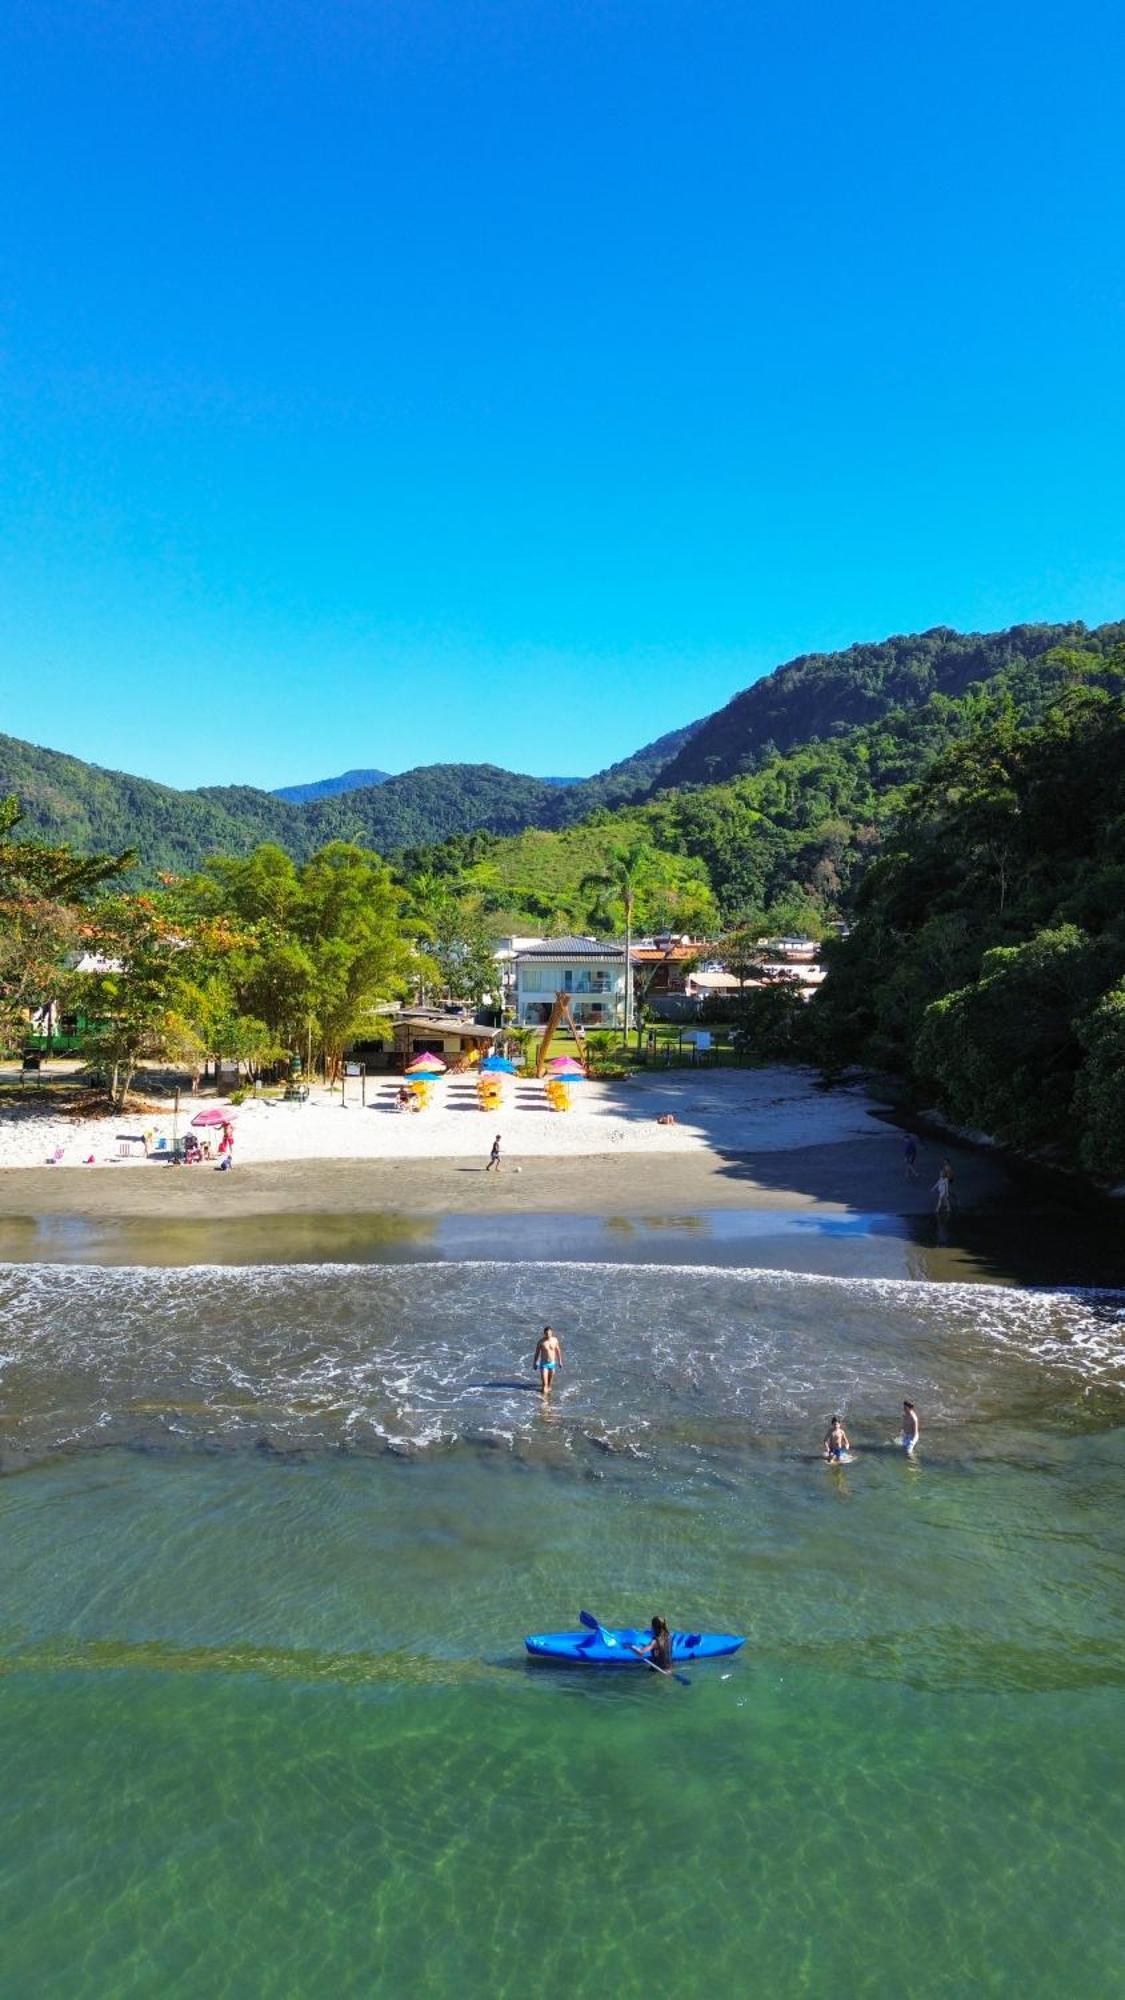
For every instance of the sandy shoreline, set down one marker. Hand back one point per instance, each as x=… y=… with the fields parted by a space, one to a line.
x=833 y=1179
x=765 y=1139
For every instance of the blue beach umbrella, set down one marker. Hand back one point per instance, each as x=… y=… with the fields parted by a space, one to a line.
x=500 y=1064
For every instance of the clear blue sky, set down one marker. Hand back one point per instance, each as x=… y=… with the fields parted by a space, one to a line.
x=395 y=380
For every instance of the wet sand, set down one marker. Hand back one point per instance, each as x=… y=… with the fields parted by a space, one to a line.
x=844 y=1210
x=860 y=1176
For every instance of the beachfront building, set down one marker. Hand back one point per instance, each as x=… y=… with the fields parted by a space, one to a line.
x=662 y=965
x=590 y=971
x=404 y=1032
x=506 y=953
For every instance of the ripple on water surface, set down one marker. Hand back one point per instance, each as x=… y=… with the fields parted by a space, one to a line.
x=417 y=1356
x=265 y=1721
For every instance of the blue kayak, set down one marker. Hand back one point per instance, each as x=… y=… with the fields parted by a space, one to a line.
x=588 y=1649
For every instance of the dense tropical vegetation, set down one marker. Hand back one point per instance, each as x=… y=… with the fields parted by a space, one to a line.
x=987 y=959
x=975 y=840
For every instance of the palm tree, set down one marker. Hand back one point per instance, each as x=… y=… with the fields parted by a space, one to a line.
x=623 y=875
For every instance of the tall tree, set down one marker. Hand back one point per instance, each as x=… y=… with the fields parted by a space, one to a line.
x=620 y=881
x=43 y=891
x=349 y=922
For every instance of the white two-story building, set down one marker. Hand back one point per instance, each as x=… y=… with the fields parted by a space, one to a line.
x=591 y=974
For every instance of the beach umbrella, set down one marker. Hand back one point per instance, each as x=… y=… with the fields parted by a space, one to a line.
x=213 y=1118
x=499 y=1065
x=565 y=1066
x=426 y=1066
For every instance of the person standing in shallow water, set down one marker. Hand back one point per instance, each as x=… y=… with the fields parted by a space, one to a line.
x=494 y=1157
x=548 y=1357
x=911 y=1428
x=836 y=1443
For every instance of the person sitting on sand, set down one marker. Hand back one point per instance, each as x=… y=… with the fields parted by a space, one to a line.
x=659 y=1648
x=836 y=1443
x=911 y=1428
x=548 y=1357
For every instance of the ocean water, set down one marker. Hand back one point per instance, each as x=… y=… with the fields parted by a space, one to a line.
x=270 y=1539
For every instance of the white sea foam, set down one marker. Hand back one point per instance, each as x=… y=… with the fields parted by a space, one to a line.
x=417 y=1356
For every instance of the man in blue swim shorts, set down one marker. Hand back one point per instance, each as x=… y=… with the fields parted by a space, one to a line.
x=548 y=1357
x=836 y=1442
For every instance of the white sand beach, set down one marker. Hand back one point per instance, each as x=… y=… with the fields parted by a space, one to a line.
x=726 y=1110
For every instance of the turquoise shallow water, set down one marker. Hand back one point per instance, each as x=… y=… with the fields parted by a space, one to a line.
x=269 y=1542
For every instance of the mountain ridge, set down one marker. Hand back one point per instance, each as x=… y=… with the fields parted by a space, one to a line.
x=814 y=698
x=327 y=788
x=95 y=809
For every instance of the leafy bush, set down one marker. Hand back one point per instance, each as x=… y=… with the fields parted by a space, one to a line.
x=1004 y=1052
x=1099 y=1098
x=772 y=1024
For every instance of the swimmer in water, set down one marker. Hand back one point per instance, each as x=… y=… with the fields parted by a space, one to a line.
x=548 y=1357
x=836 y=1443
x=911 y=1428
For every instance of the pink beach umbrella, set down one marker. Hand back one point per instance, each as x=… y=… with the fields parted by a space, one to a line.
x=213 y=1118
x=426 y=1066
x=565 y=1066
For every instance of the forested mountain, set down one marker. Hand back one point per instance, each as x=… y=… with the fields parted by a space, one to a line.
x=811 y=755
x=96 y=811
x=819 y=696
x=328 y=788
x=787 y=844
x=99 y=811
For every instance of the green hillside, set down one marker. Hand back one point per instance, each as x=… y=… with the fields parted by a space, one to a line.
x=814 y=754
x=824 y=695
x=98 y=811
x=95 y=810
x=793 y=838
x=987 y=959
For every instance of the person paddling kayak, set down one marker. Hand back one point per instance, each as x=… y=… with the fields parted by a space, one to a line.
x=659 y=1648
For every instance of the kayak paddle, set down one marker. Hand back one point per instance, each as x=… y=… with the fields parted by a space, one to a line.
x=608 y=1639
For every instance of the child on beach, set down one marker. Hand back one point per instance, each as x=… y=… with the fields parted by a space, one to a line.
x=943 y=1188
x=494 y=1157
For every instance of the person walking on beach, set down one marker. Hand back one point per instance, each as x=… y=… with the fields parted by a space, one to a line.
x=910 y=1157
x=226 y=1147
x=911 y=1428
x=548 y=1357
x=943 y=1188
x=494 y=1156
x=836 y=1443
